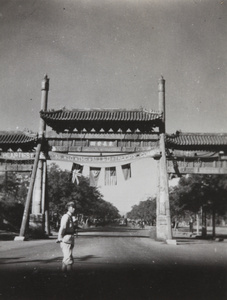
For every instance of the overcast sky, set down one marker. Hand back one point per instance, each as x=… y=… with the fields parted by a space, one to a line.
x=110 y=54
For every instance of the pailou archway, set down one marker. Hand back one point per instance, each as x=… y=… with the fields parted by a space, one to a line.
x=107 y=137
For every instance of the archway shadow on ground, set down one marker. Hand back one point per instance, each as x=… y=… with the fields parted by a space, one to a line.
x=85 y=258
x=128 y=282
x=19 y=260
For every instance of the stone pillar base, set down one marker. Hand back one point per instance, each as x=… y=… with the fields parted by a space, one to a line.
x=36 y=225
x=19 y=238
x=162 y=228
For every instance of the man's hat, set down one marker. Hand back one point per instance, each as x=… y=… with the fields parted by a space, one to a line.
x=70 y=204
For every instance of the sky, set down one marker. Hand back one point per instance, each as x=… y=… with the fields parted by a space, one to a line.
x=110 y=54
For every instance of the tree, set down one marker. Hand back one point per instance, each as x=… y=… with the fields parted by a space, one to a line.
x=145 y=210
x=9 y=187
x=12 y=199
x=196 y=191
x=88 y=199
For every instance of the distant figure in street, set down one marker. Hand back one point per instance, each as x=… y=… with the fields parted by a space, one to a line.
x=66 y=237
x=55 y=221
x=191 y=224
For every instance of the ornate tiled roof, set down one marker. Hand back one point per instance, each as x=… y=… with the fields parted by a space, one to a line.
x=16 y=137
x=17 y=140
x=195 y=140
x=62 y=119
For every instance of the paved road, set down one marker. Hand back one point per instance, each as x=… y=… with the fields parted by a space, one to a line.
x=120 y=264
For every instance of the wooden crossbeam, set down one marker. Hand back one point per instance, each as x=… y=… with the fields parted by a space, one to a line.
x=16 y=168
x=197 y=166
x=98 y=149
x=188 y=170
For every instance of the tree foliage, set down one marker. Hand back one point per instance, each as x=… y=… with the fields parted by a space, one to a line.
x=13 y=195
x=196 y=191
x=88 y=199
x=145 y=210
x=9 y=187
x=60 y=190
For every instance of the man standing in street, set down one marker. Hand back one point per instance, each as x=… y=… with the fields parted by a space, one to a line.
x=66 y=237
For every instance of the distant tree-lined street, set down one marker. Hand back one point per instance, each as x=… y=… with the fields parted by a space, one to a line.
x=60 y=190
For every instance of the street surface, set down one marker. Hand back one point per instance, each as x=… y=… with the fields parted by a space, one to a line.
x=114 y=264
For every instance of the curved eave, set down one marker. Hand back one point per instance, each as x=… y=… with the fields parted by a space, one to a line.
x=196 y=141
x=17 y=139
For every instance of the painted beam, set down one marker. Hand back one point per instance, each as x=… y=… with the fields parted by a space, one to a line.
x=94 y=149
x=16 y=168
x=197 y=170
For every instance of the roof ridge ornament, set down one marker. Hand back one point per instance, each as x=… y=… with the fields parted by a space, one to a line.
x=45 y=83
x=65 y=109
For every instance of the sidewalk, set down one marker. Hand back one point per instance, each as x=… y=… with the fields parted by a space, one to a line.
x=7 y=241
x=6 y=235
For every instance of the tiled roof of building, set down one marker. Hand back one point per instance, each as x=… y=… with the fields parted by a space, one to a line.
x=100 y=115
x=101 y=119
x=16 y=137
x=195 y=140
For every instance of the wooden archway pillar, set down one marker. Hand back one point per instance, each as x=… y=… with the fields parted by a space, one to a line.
x=38 y=216
x=163 y=219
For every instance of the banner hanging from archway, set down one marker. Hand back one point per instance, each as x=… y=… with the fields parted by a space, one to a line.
x=103 y=160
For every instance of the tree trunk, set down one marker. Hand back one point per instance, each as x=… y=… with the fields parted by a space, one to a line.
x=213 y=222
x=204 y=222
x=197 y=223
